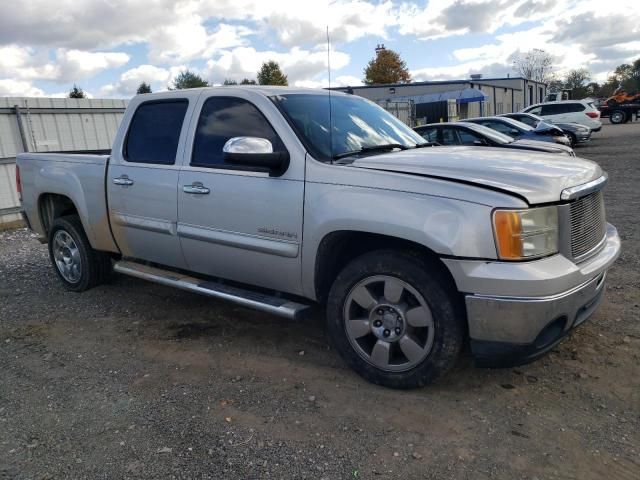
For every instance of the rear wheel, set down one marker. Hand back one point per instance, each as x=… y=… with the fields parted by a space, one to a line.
x=617 y=117
x=394 y=318
x=77 y=264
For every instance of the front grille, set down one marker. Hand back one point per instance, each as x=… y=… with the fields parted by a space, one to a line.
x=588 y=226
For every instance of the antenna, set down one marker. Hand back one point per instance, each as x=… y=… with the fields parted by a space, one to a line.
x=329 y=74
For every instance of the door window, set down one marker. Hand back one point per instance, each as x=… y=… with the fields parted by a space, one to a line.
x=468 y=138
x=450 y=137
x=532 y=122
x=155 y=131
x=501 y=127
x=223 y=118
x=429 y=134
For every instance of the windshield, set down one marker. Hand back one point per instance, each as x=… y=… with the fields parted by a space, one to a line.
x=357 y=124
x=490 y=133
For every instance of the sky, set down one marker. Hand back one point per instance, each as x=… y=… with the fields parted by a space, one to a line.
x=107 y=47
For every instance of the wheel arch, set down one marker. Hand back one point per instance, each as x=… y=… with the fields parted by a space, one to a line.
x=52 y=206
x=337 y=248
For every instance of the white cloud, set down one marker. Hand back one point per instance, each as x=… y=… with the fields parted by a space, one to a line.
x=128 y=83
x=18 y=88
x=26 y=63
x=77 y=65
x=298 y=64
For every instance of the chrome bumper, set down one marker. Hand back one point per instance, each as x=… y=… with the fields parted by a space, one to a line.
x=522 y=320
x=516 y=303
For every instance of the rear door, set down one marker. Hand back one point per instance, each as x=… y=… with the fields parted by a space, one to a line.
x=241 y=224
x=556 y=112
x=142 y=181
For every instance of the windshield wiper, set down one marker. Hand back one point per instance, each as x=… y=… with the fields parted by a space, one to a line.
x=371 y=148
x=427 y=144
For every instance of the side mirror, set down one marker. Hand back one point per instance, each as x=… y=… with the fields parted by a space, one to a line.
x=256 y=153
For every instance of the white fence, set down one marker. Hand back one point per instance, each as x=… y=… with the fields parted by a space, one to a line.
x=50 y=125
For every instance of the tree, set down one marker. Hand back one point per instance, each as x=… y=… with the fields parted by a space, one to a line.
x=386 y=67
x=270 y=74
x=575 y=81
x=247 y=81
x=144 y=87
x=77 y=92
x=534 y=65
x=188 y=79
x=628 y=76
x=228 y=81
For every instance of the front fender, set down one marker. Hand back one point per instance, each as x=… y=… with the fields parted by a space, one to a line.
x=447 y=226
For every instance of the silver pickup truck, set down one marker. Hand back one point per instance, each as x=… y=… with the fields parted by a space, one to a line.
x=281 y=198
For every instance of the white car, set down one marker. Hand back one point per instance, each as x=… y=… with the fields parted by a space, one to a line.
x=583 y=112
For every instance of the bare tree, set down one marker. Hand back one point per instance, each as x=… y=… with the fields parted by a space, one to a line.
x=534 y=65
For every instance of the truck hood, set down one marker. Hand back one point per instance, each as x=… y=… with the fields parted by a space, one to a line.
x=537 y=177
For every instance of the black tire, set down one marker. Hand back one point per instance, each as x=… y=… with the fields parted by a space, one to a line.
x=95 y=266
x=617 y=117
x=429 y=279
x=572 y=139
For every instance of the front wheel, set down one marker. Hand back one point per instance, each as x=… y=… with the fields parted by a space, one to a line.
x=77 y=264
x=394 y=318
x=573 y=140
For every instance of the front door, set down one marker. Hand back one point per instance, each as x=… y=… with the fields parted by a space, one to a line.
x=142 y=182
x=237 y=223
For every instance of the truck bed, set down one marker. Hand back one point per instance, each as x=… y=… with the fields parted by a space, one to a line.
x=78 y=176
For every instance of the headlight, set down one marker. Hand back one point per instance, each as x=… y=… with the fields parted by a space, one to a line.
x=525 y=234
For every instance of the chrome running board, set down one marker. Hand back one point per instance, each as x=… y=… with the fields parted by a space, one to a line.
x=245 y=298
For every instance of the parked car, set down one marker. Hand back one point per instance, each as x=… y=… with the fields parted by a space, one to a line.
x=523 y=131
x=575 y=132
x=466 y=133
x=583 y=112
x=275 y=199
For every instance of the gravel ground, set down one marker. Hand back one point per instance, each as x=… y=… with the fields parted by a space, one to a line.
x=134 y=380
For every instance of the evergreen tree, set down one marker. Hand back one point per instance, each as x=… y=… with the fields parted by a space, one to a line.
x=77 y=92
x=188 y=79
x=270 y=74
x=144 y=87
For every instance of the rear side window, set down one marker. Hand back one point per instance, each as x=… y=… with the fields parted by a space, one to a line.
x=575 y=107
x=223 y=118
x=534 y=111
x=155 y=131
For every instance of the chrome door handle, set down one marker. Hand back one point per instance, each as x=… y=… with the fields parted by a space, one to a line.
x=196 y=188
x=123 y=180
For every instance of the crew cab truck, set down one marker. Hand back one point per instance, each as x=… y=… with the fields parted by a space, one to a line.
x=280 y=198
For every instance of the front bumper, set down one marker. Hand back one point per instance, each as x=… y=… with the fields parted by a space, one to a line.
x=583 y=137
x=518 y=311
x=597 y=129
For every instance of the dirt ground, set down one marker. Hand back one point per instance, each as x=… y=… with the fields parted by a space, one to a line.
x=135 y=380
